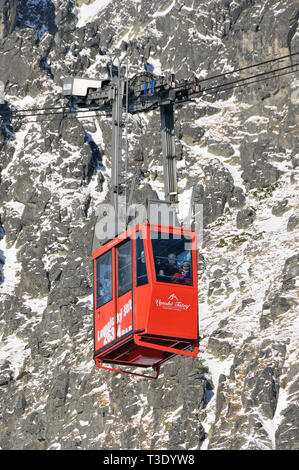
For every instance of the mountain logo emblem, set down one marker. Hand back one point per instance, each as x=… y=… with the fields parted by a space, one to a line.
x=173 y=297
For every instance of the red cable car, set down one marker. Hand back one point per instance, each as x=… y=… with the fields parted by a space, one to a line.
x=145 y=298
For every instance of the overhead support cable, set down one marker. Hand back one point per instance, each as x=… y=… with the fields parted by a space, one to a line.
x=253 y=82
x=249 y=78
x=73 y=114
x=219 y=88
x=223 y=74
x=247 y=67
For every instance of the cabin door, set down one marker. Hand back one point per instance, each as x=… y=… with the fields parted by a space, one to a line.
x=124 y=286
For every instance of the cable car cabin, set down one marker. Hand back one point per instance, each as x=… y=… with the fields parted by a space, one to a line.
x=145 y=298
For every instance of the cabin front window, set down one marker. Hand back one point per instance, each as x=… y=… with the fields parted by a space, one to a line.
x=124 y=267
x=172 y=258
x=103 y=279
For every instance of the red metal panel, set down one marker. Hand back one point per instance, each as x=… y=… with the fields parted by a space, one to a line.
x=173 y=311
x=104 y=325
x=104 y=317
x=142 y=296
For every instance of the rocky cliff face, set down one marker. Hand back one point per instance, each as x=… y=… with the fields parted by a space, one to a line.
x=8 y=16
x=238 y=148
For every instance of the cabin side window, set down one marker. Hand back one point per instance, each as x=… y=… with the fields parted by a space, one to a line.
x=124 y=267
x=172 y=258
x=141 y=271
x=104 y=279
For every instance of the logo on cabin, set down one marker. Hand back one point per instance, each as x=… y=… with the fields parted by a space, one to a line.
x=172 y=303
x=172 y=297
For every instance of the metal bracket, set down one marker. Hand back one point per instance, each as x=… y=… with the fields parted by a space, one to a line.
x=112 y=369
x=166 y=348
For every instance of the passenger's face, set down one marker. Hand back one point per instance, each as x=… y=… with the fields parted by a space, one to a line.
x=171 y=258
x=186 y=267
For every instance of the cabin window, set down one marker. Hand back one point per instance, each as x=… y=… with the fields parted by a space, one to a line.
x=104 y=279
x=124 y=267
x=172 y=258
x=141 y=271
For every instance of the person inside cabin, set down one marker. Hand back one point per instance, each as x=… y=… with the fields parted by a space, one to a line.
x=183 y=274
x=106 y=287
x=161 y=275
x=170 y=268
x=141 y=270
x=159 y=267
x=100 y=299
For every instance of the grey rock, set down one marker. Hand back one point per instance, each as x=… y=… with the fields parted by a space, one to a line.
x=190 y=133
x=265 y=392
x=23 y=190
x=219 y=348
x=8 y=16
x=221 y=150
x=279 y=305
x=290 y=273
x=246 y=302
x=237 y=197
x=279 y=301
x=221 y=398
x=257 y=171
x=6 y=375
x=213 y=191
x=287 y=434
x=260 y=390
x=21 y=404
x=218 y=273
x=36 y=429
x=245 y=218
x=280 y=208
x=293 y=222
x=265 y=321
x=145 y=193
x=18 y=61
x=59 y=390
x=295 y=161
